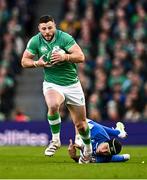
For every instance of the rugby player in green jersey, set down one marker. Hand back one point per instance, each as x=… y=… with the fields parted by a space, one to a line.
x=58 y=54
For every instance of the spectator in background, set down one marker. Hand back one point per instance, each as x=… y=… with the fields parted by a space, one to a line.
x=93 y=107
x=70 y=24
x=85 y=40
x=145 y=113
x=14 y=16
x=145 y=93
x=113 y=37
x=6 y=92
x=19 y=115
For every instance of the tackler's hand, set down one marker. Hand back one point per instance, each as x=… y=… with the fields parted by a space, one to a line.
x=71 y=149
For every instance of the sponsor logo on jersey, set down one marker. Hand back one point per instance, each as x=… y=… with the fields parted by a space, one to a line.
x=58 y=49
x=43 y=49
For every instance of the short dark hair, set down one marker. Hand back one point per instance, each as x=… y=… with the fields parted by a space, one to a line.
x=115 y=146
x=46 y=18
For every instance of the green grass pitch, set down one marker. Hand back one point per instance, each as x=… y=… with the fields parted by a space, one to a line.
x=30 y=163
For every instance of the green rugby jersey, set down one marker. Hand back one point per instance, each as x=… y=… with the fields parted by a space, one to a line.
x=64 y=73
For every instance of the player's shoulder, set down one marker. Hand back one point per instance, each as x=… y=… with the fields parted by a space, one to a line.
x=33 y=41
x=36 y=36
x=63 y=34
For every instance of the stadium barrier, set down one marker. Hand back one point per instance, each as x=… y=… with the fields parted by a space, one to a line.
x=37 y=133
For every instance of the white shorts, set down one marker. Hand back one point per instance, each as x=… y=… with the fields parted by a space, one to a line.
x=72 y=94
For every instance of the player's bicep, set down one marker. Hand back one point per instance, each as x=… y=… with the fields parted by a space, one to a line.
x=75 y=49
x=28 y=55
x=32 y=46
x=27 y=59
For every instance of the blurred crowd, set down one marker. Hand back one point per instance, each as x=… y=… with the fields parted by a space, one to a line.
x=16 y=19
x=113 y=36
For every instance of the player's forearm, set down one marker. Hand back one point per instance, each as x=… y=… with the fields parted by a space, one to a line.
x=75 y=57
x=27 y=63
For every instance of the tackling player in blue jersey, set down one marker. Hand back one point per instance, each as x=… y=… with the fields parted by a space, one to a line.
x=105 y=149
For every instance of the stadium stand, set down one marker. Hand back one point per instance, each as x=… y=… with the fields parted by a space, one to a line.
x=16 y=20
x=113 y=36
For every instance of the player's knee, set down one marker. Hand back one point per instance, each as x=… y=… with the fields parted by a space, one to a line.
x=80 y=126
x=54 y=108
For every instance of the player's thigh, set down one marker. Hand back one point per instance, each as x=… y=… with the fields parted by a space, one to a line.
x=53 y=94
x=53 y=98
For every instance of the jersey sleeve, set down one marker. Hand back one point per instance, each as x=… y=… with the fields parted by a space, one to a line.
x=114 y=158
x=32 y=46
x=118 y=158
x=68 y=41
x=102 y=159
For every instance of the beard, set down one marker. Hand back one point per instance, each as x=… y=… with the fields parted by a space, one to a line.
x=49 y=37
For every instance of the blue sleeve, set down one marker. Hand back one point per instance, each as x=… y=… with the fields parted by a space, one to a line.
x=118 y=158
x=111 y=132
x=102 y=159
x=100 y=128
x=106 y=159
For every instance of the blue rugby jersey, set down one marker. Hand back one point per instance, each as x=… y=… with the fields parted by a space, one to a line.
x=100 y=134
